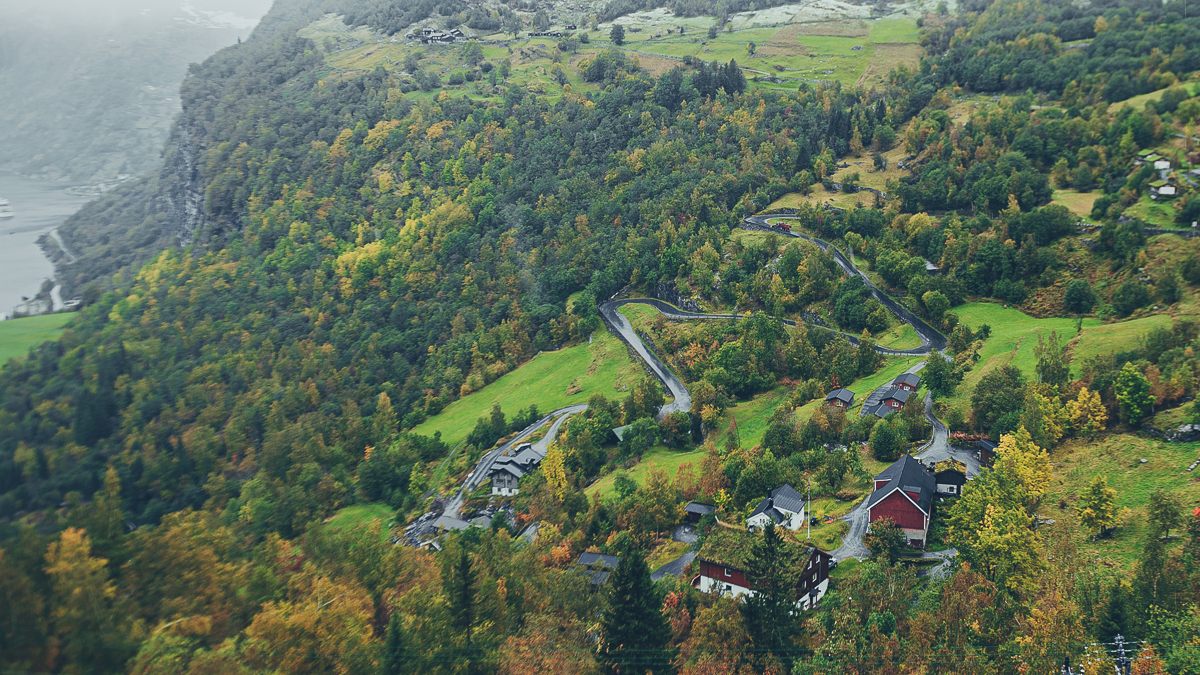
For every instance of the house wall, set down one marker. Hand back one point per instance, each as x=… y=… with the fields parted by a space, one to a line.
x=758 y=521
x=897 y=507
x=714 y=575
x=947 y=488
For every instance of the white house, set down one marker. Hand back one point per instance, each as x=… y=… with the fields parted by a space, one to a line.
x=783 y=506
x=1162 y=165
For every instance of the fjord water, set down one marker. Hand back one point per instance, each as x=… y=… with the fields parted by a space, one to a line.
x=40 y=206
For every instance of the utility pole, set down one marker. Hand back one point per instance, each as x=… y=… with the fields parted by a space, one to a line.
x=1122 y=663
x=808 y=520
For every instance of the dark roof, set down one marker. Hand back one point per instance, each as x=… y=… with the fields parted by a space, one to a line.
x=840 y=395
x=765 y=506
x=786 y=497
x=898 y=394
x=508 y=468
x=985 y=444
x=950 y=477
x=599 y=566
x=588 y=558
x=697 y=507
x=881 y=411
x=908 y=378
x=909 y=475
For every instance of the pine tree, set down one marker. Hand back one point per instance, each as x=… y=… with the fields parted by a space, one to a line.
x=395 y=654
x=636 y=635
x=460 y=589
x=770 y=613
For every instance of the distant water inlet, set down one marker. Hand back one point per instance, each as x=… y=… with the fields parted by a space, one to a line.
x=37 y=207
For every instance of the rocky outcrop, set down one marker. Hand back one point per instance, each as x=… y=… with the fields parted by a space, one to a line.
x=182 y=187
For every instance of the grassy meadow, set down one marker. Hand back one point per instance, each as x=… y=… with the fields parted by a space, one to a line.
x=550 y=380
x=658 y=457
x=18 y=335
x=1118 y=457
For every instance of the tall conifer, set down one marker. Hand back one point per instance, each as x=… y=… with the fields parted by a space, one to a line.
x=636 y=635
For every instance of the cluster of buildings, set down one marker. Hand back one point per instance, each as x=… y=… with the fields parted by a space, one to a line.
x=892 y=399
x=427 y=35
x=507 y=470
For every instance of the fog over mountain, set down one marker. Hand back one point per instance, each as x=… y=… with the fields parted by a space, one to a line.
x=90 y=87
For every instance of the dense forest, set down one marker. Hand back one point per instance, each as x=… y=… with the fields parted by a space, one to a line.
x=355 y=257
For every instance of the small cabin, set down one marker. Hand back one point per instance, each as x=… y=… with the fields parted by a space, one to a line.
x=839 y=398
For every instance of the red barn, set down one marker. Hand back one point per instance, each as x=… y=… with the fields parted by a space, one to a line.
x=904 y=492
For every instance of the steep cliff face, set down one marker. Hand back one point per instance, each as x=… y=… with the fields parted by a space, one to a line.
x=182 y=187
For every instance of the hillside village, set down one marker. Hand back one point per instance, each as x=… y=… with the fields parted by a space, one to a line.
x=709 y=338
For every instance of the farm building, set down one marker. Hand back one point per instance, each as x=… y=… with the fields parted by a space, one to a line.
x=904 y=492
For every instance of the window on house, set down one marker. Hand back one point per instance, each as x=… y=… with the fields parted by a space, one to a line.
x=728 y=572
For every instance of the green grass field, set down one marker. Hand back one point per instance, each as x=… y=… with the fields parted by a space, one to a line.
x=601 y=367
x=1014 y=337
x=1078 y=203
x=1138 y=102
x=1112 y=337
x=902 y=336
x=18 y=335
x=658 y=457
x=356 y=516
x=1118 y=457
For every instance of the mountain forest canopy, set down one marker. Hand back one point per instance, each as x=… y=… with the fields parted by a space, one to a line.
x=328 y=258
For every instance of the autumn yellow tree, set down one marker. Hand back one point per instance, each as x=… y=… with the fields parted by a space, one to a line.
x=1087 y=414
x=1097 y=505
x=89 y=624
x=1022 y=461
x=555 y=470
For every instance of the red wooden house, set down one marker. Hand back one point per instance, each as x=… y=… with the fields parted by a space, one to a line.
x=904 y=492
x=726 y=554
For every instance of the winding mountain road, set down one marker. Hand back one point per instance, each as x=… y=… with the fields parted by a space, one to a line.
x=681 y=401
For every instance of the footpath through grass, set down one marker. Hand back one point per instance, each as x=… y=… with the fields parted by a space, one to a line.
x=18 y=335
x=550 y=380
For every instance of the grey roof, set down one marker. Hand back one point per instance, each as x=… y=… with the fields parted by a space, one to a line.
x=931 y=267
x=599 y=566
x=881 y=411
x=784 y=497
x=840 y=394
x=908 y=378
x=697 y=507
x=619 y=432
x=909 y=475
x=898 y=394
x=508 y=468
x=986 y=444
x=765 y=506
x=787 y=497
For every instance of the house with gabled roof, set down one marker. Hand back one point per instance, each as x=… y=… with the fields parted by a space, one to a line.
x=725 y=558
x=839 y=398
x=507 y=470
x=783 y=506
x=896 y=397
x=907 y=381
x=904 y=492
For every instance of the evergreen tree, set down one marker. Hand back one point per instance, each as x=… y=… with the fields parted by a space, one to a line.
x=460 y=590
x=617 y=35
x=636 y=635
x=395 y=655
x=770 y=613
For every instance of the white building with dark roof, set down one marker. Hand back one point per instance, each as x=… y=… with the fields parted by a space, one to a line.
x=783 y=506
